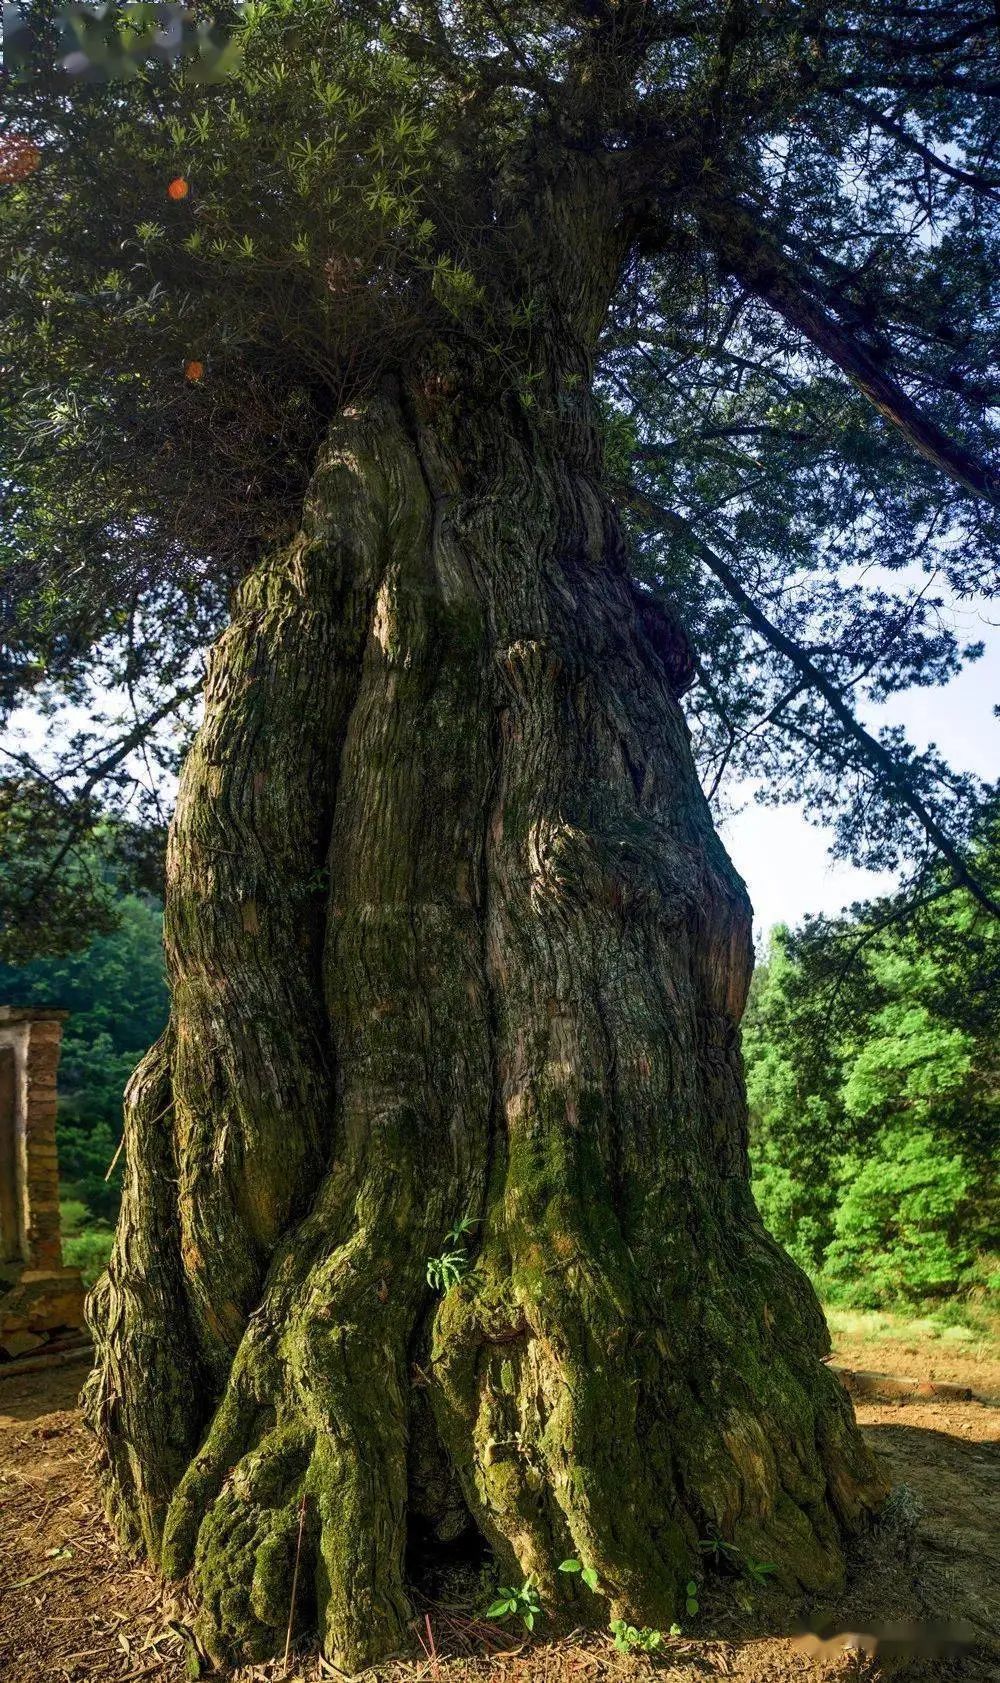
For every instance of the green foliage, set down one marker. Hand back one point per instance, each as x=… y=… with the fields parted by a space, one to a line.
x=587 y=1573
x=86 y=1243
x=631 y=1639
x=115 y=991
x=49 y=900
x=453 y=1264
x=875 y=1100
x=719 y=1551
x=906 y=1225
x=726 y=1554
x=308 y=247
x=446 y=1270
x=797 y=1124
x=89 y=1251
x=523 y=1602
x=463 y=1226
x=377 y=189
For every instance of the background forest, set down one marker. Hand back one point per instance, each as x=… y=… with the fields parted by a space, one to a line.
x=874 y=1090
x=873 y=1073
x=115 y=990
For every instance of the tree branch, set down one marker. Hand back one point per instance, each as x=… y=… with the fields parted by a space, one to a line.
x=878 y=119
x=747 y=252
x=77 y=801
x=873 y=751
x=894 y=81
x=900 y=47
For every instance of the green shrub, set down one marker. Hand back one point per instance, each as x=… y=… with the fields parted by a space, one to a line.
x=73 y=1217
x=89 y=1251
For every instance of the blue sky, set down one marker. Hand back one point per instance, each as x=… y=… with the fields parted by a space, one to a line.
x=784 y=859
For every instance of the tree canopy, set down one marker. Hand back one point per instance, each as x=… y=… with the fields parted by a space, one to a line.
x=797 y=364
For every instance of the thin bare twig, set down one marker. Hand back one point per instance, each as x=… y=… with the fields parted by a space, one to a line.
x=295 y=1581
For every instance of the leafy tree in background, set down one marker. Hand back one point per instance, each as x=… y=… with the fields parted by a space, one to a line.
x=874 y=1088
x=797 y=1122
x=909 y=1222
x=116 y=993
x=447 y=357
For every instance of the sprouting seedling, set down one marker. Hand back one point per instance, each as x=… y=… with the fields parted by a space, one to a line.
x=461 y=1228
x=719 y=1550
x=628 y=1637
x=758 y=1571
x=587 y=1573
x=523 y=1601
x=691 y=1597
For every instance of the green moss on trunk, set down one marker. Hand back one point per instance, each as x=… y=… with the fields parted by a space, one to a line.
x=450 y=934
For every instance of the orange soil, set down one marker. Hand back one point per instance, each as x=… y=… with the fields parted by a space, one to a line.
x=73 y=1611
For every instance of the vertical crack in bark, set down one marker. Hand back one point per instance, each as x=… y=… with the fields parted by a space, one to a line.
x=252 y=1071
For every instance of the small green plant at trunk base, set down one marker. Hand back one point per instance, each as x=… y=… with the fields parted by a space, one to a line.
x=722 y=1553
x=524 y=1602
x=587 y=1573
x=691 y=1593
x=629 y=1638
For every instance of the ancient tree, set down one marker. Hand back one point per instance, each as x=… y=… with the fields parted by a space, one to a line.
x=378 y=331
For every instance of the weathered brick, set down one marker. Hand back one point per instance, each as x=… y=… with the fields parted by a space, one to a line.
x=39 y=1294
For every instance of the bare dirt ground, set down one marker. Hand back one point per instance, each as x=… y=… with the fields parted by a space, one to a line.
x=918 y=1349
x=72 y=1610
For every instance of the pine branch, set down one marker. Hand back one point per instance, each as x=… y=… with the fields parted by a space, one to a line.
x=891 y=773
x=747 y=252
x=878 y=119
x=895 y=81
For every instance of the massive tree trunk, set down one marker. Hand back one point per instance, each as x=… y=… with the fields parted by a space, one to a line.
x=450 y=935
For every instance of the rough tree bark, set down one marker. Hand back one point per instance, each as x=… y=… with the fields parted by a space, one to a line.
x=450 y=934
